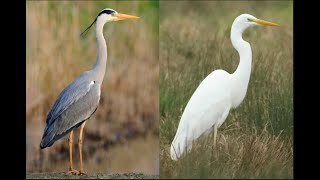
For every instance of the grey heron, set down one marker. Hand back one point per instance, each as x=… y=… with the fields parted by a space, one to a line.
x=79 y=100
x=220 y=91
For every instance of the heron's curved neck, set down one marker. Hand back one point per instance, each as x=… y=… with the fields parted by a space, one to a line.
x=99 y=67
x=243 y=70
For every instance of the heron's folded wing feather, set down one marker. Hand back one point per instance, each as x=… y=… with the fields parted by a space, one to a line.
x=73 y=92
x=78 y=111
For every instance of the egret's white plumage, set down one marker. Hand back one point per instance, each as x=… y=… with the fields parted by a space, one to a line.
x=220 y=91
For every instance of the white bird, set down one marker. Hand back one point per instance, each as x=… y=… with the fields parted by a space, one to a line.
x=220 y=91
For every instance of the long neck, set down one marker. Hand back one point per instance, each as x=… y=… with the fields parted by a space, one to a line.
x=99 y=67
x=242 y=74
x=243 y=70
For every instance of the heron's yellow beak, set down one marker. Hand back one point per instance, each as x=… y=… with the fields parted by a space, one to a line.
x=266 y=23
x=125 y=16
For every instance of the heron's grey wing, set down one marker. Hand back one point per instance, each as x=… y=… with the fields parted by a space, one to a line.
x=74 y=91
x=76 y=103
x=78 y=112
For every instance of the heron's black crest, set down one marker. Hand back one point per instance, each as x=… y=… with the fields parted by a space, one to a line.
x=88 y=28
x=107 y=11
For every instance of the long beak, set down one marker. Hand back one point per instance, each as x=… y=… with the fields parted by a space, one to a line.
x=266 y=23
x=125 y=16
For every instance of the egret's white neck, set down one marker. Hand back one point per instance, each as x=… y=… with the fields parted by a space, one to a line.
x=242 y=74
x=99 y=67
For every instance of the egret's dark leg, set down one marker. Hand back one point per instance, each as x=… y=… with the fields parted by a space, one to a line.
x=215 y=131
x=71 y=170
x=80 y=148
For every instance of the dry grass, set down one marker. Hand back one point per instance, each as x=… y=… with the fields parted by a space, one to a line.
x=256 y=139
x=56 y=54
x=250 y=155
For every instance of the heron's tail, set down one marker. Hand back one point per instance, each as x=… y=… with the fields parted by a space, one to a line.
x=50 y=135
x=47 y=138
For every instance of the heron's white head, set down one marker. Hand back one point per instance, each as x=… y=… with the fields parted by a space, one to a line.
x=108 y=15
x=244 y=21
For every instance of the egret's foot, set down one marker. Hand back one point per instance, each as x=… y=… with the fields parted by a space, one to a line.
x=73 y=171
x=81 y=173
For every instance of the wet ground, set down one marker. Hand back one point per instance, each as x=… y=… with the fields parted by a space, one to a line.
x=95 y=176
x=139 y=154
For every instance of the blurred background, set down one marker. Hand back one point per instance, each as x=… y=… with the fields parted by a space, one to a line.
x=256 y=139
x=122 y=136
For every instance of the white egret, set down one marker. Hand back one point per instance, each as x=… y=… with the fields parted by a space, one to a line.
x=220 y=91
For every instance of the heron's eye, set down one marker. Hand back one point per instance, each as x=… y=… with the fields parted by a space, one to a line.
x=250 y=20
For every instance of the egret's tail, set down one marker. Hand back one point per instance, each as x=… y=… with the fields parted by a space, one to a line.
x=179 y=146
x=173 y=153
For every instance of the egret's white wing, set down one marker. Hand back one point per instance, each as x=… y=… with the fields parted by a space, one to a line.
x=208 y=106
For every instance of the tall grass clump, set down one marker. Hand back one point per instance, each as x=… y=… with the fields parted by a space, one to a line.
x=256 y=139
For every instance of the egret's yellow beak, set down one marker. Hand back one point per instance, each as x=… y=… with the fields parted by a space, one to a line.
x=125 y=16
x=263 y=22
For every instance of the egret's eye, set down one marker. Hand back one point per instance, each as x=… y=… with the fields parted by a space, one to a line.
x=250 y=19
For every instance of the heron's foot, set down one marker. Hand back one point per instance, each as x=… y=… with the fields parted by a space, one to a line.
x=81 y=173
x=73 y=171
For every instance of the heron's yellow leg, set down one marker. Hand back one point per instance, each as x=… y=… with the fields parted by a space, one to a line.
x=80 y=148
x=215 y=131
x=71 y=170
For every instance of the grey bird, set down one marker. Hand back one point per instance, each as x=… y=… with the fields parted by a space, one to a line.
x=80 y=99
